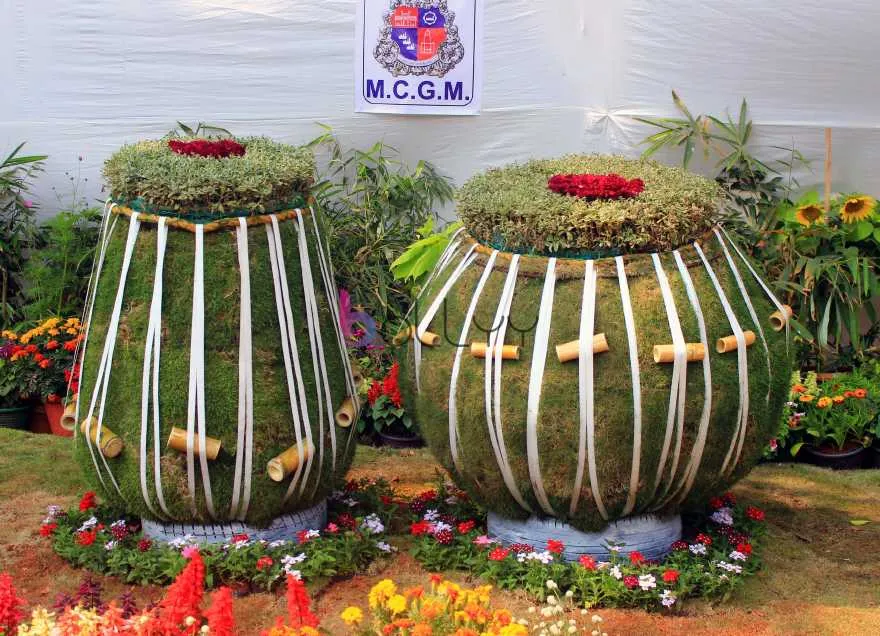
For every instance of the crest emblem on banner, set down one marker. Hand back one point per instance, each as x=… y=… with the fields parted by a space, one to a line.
x=419 y=37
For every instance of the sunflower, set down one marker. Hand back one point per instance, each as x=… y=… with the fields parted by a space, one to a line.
x=809 y=214
x=857 y=208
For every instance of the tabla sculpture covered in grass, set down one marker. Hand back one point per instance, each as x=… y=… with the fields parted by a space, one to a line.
x=216 y=392
x=593 y=354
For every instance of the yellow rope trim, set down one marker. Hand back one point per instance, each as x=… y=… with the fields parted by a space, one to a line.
x=214 y=226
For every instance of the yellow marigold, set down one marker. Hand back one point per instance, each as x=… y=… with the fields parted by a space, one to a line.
x=807 y=398
x=352 y=616
x=42 y=623
x=502 y=617
x=514 y=629
x=465 y=631
x=824 y=402
x=422 y=629
x=9 y=335
x=381 y=592
x=396 y=604
x=857 y=208
x=305 y=630
x=53 y=332
x=838 y=399
x=72 y=331
x=809 y=214
x=431 y=608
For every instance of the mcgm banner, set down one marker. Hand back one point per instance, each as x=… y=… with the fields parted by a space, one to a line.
x=419 y=57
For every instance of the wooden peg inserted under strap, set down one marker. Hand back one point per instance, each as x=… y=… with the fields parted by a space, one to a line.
x=111 y=443
x=428 y=338
x=778 y=319
x=728 y=343
x=572 y=350
x=666 y=353
x=285 y=464
x=508 y=352
x=346 y=414
x=68 y=417
x=177 y=441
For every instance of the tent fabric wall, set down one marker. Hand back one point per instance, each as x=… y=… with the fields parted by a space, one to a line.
x=81 y=78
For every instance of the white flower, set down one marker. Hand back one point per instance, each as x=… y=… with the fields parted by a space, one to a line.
x=313 y=534
x=288 y=561
x=295 y=574
x=667 y=598
x=431 y=515
x=88 y=524
x=373 y=524
x=439 y=527
x=616 y=573
x=383 y=546
x=110 y=545
x=614 y=549
x=278 y=543
x=736 y=555
x=532 y=609
x=351 y=503
x=730 y=567
x=53 y=511
x=551 y=600
x=697 y=548
x=118 y=524
x=569 y=594
x=572 y=629
x=180 y=542
x=546 y=612
x=551 y=585
x=337 y=494
x=647 y=582
x=723 y=577
x=451 y=500
x=544 y=557
x=723 y=517
x=596 y=618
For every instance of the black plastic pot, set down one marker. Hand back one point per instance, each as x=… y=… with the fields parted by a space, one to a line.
x=17 y=417
x=838 y=460
x=393 y=440
x=874 y=457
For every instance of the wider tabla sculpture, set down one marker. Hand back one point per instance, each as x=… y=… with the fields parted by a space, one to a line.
x=593 y=354
x=216 y=393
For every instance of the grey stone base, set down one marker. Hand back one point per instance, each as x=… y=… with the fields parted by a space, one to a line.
x=649 y=534
x=283 y=528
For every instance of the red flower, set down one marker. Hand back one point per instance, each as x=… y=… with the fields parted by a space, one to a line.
x=466 y=526
x=554 y=546
x=670 y=576
x=240 y=538
x=374 y=392
x=595 y=186
x=631 y=581
x=39 y=357
x=184 y=597
x=860 y=394
x=221 y=621
x=729 y=499
x=264 y=562
x=498 y=554
x=215 y=148
x=299 y=604
x=345 y=520
x=302 y=536
x=755 y=514
x=521 y=548
x=31 y=349
x=45 y=363
x=588 y=562
x=679 y=546
x=705 y=539
x=11 y=606
x=419 y=528
x=715 y=503
x=390 y=385
x=144 y=545
x=86 y=537
x=88 y=501
x=745 y=548
x=52 y=345
x=636 y=558
x=386 y=500
x=332 y=528
x=444 y=537
x=70 y=346
x=47 y=529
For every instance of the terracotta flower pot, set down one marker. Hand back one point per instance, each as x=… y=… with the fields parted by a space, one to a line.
x=38 y=420
x=54 y=411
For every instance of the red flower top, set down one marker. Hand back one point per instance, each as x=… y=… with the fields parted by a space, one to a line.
x=88 y=501
x=216 y=148
x=388 y=387
x=595 y=186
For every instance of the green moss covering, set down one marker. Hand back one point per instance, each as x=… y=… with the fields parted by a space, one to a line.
x=273 y=425
x=559 y=424
x=512 y=208
x=267 y=177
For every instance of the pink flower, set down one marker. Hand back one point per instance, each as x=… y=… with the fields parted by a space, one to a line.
x=189 y=551
x=332 y=528
x=483 y=540
x=774 y=444
x=27 y=203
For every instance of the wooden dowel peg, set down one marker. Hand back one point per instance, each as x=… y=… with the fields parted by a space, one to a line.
x=285 y=464
x=728 y=343
x=111 y=444
x=778 y=319
x=666 y=353
x=572 y=350
x=346 y=414
x=177 y=441
x=427 y=338
x=68 y=417
x=508 y=352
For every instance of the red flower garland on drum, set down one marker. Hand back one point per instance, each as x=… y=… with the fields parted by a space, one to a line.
x=216 y=148
x=595 y=186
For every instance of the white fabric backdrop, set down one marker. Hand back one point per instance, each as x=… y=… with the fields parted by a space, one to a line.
x=80 y=78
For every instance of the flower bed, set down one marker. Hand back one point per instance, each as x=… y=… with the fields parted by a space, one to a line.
x=103 y=540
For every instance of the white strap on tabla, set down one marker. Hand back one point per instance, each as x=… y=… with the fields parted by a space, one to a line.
x=678 y=384
x=102 y=379
x=80 y=355
x=586 y=399
x=693 y=465
x=779 y=307
x=152 y=348
x=196 y=416
x=322 y=380
x=742 y=416
x=244 y=449
x=493 y=382
x=635 y=375
x=289 y=352
x=740 y=283
x=536 y=380
x=456 y=365
x=435 y=305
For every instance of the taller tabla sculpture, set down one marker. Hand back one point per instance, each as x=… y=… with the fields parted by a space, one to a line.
x=593 y=354
x=216 y=392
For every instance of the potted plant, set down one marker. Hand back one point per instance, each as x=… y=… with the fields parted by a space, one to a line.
x=386 y=416
x=14 y=368
x=835 y=421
